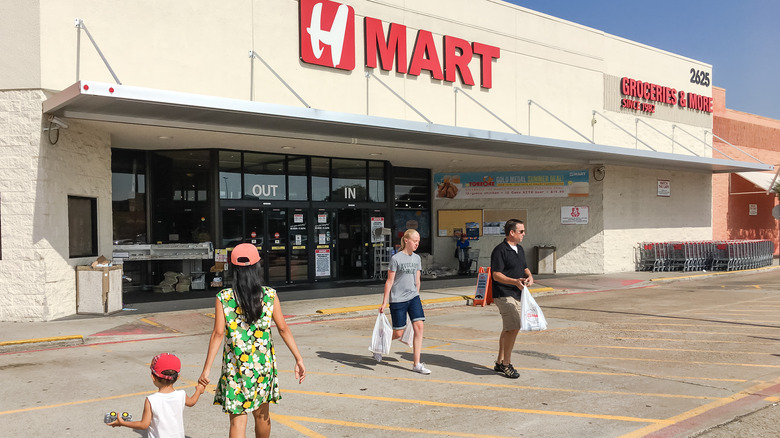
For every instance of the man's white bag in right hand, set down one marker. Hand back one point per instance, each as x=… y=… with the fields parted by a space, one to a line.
x=531 y=317
x=382 y=336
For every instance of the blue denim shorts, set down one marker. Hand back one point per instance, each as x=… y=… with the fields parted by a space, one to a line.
x=398 y=312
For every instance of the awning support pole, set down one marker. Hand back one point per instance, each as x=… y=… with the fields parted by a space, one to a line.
x=670 y=138
x=622 y=129
x=369 y=74
x=702 y=141
x=457 y=89
x=80 y=26
x=555 y=117
x=724 y=141
x=252 y=56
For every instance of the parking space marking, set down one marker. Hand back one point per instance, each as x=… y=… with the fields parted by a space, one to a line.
x=628 y=347
x=634 y=359
x=290 y=422
x=728 y=364
x=291 y=419
x=713 y=341
x=478 y=407
x=687 y=333
x=500 y=385
x=677 y=421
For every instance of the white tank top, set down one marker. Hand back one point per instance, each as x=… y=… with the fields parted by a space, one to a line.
x=167 y=414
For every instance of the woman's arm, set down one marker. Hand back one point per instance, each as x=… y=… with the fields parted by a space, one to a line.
x=388 y=286
x=287 y=336
x=217 y=334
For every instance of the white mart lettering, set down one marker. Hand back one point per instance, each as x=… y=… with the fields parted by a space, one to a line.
x=333 y=37
x=457 y=54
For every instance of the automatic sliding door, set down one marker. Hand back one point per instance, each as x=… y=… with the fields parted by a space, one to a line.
x=277 y=246
x=324 y=265
x=299 y=253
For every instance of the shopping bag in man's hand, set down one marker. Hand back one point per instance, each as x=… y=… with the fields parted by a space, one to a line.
x=382 y=336
x=531 y=318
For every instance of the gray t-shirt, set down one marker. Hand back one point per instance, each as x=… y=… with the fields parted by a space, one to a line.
x=405 y=268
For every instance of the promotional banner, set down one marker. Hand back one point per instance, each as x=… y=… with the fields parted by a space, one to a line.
x=531 y=184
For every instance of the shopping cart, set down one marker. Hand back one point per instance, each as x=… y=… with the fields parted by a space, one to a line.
x=473 y=255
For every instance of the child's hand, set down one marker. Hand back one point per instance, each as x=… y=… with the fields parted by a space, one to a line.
x=200 y=388
x=300 y=371
x=114 y=423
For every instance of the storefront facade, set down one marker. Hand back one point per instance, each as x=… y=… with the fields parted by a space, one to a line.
x=340 y=115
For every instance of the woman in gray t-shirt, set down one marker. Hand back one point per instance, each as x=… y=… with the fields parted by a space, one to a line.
x=402 y=292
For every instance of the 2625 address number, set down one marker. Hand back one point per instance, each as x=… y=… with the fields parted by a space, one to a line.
x=699 y=77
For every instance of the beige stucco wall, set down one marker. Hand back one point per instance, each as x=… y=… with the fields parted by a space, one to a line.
x=37 y=278
x=203 y=49
x=20 y=47
x=635 y=213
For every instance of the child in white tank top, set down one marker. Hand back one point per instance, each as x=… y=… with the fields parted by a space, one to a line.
x=163 y=415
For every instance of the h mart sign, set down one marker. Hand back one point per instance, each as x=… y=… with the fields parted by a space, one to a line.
x=327 y=38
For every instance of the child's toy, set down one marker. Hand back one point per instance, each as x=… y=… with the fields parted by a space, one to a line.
x=111 y=417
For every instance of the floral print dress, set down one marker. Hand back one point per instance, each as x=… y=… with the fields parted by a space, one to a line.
x=249 y=377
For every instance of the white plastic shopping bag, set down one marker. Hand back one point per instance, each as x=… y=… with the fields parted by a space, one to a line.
x=382 y=336
x=531 y=318
x=408 y=336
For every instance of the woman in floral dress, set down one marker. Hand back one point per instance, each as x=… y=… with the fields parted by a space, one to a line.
x=243 y=318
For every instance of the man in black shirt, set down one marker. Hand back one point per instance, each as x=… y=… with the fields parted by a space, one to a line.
x=509 y=273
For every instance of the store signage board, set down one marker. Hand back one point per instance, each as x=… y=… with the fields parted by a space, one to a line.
x=652 y=94
x=664 y=188
x=327 y=38
x=574 y=215
x=530 y=184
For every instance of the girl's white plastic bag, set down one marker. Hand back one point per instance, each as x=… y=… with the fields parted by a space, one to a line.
x=382 y=336
x=408 y=336
x=531 y=317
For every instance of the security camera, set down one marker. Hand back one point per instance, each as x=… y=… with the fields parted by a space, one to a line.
x=59 y=122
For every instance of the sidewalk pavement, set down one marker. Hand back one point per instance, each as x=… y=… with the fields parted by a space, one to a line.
x=312 y=304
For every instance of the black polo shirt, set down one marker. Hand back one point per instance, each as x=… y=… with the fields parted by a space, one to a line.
x=504 y=259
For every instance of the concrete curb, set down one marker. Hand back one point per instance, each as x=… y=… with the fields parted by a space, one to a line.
x=57 y=341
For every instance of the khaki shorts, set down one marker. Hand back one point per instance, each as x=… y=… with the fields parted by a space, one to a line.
x=510 y=312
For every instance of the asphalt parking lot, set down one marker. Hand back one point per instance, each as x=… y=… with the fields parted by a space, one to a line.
x=679 y=359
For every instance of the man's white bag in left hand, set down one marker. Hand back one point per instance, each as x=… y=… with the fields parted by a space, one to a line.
x=531 y=318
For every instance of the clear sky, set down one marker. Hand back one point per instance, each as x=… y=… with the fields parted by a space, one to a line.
x=739 y=38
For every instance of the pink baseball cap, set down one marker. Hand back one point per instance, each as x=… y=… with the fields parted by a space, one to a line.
x=244 y=254
x=164 y=362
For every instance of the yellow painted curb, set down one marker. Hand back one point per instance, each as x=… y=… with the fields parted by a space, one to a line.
x=337 y=310
x=39 y=340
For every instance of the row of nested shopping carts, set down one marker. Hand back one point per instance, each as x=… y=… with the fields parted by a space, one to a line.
x=715 y=255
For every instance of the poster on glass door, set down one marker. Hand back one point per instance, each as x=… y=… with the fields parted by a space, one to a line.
x=377 y=223
x=322 y=262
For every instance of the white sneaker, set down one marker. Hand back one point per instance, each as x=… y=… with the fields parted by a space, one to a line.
x=378 y=357
x=420 y=368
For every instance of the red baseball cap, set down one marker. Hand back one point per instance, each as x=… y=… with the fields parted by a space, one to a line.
x=244 y=254
x=164 y=362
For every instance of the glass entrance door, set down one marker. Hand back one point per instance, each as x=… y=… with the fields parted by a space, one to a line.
x=276 y=254
x=353 y=260
x=324 y=252
x=299 y=245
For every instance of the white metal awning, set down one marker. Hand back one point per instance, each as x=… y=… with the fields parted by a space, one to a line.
x=762 y=180
x=115 y=106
